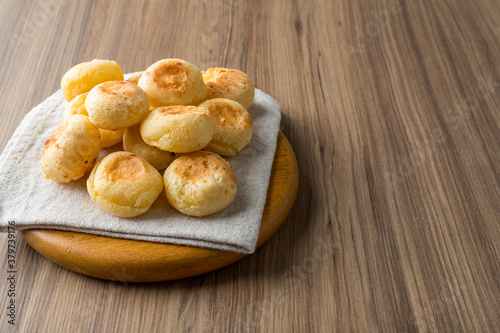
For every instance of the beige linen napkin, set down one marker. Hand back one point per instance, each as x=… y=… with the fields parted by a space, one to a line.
x=32 y=201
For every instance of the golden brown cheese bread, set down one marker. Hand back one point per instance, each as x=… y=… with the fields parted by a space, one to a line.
x=77 y=106
x=200 y=183
x=115 y=105
x=109 y=138
x=71 y=150
x=133 y=142
x=134 y=78
x=232 y=126
x=170 y=109
x=124 y=184
x=173 y=82
x=178 y=129
x=229 y=83
x=86 y=75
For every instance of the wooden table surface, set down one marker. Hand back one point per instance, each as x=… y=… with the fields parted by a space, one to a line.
x=393 y=110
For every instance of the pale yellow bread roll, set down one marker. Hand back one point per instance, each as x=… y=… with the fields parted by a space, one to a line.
x=81 y=78
x=133 y=142
x=77 y=106
x=178 y=129
x=110 y=138
x=71 y=150
x=134 y=78
x=124 y=185
x=232 y=126
x=200 y=183
x=115 y=105
x=229 y=83
x=173 y=82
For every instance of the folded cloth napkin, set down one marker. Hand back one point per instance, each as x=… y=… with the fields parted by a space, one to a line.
x=32 y=201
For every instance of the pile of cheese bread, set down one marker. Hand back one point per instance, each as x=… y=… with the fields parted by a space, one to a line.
x=170 y=117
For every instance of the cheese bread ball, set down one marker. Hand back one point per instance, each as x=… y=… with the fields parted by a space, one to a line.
x=77 y=106
x=110 y=138
x=173 y=82
x=200 y=184
x=83 y=77
x=178 y=129
x=133 y=142
x=134 y=78
x=124 y=185
x=71 y=150
x=232 y=126
x=115 y=105
x=229 y=83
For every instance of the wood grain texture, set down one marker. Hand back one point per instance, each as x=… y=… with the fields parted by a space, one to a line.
x=392 y=109
x=127 y=260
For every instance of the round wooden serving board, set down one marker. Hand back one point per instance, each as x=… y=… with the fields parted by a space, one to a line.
x=139 y=261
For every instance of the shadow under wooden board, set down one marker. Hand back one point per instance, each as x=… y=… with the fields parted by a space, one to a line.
x=139 y=261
